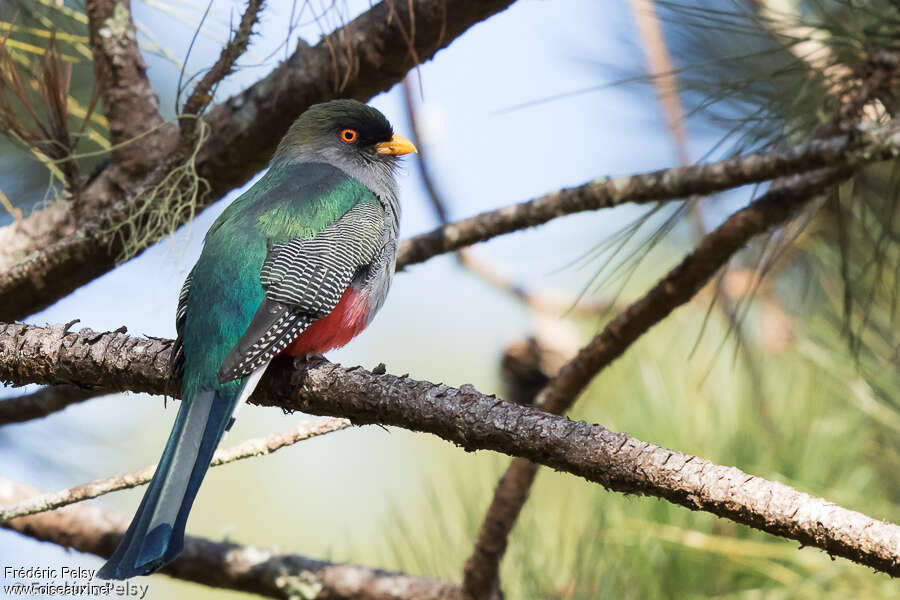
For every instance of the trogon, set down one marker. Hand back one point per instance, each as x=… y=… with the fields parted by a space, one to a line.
x=298 y=264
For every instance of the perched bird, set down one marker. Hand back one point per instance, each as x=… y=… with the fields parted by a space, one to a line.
x=298 y=264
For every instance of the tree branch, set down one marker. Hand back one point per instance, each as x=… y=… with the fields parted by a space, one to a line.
x=236 y=46
x=675 y=289
x=681 y=283
x=264 y=571
x=665 y=184
x=129 y=101
x=473 y=420
x=49 y=254
x=255 y=447
x=481 y=571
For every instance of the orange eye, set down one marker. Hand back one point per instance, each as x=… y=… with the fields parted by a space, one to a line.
x=348 y=135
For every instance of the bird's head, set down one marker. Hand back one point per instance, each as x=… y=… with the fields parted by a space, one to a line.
x=346 y=133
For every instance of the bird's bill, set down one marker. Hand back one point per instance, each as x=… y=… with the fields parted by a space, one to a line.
x=398 y=146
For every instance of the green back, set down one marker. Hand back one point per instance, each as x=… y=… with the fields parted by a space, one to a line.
x=290 y=201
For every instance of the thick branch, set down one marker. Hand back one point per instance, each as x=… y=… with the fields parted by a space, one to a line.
x=473 y=420
x=129 y=101
x=49 y=254
x=481 y=571
x=265 y=571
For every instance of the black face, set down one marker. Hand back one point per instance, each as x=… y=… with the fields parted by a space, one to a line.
x=350 y=124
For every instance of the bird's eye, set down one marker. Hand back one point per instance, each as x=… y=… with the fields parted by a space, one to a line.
x=348 y=135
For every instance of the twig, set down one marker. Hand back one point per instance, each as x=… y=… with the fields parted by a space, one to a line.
x=686 y=279
x=473 y=420
x=268 y=572
x=659 y=64
x=544 y=301
x=234 y=49
x=437 y=201
x=99 y=487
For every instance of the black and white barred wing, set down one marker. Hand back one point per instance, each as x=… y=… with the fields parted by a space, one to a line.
x=304 y=280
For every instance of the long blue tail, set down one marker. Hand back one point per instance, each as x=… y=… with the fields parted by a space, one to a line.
x=156 y=534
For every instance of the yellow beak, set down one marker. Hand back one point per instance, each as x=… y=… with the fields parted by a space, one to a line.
x=398 y=146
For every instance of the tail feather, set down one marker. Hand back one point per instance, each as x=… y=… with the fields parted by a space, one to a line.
x=156 y=534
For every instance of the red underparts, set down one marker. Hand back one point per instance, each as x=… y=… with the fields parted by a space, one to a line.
x=334 y=330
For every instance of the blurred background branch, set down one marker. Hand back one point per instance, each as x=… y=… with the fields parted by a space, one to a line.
x=42 y=402
x=223 y=456
x=268 y=572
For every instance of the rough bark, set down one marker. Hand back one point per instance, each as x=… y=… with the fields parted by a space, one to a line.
x=264 y=571
x=474 y=421
x=129 y=101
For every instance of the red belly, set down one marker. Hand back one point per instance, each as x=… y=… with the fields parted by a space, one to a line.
x=334 y=330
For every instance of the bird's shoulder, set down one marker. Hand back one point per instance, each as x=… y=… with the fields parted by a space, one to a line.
x=295 y=200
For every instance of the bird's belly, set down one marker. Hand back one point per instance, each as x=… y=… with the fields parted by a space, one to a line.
x=345 y=322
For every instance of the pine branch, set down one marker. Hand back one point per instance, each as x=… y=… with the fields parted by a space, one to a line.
x=665 y=184
x=265 y=571
x=474 y=421
x=684 y=281
x=675 y=289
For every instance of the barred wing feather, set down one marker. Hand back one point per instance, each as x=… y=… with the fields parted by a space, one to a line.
x=304 y=280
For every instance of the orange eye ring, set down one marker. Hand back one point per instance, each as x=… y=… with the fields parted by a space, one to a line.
x=349 y=135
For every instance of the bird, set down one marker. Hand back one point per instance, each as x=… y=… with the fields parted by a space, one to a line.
x=298 y=264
